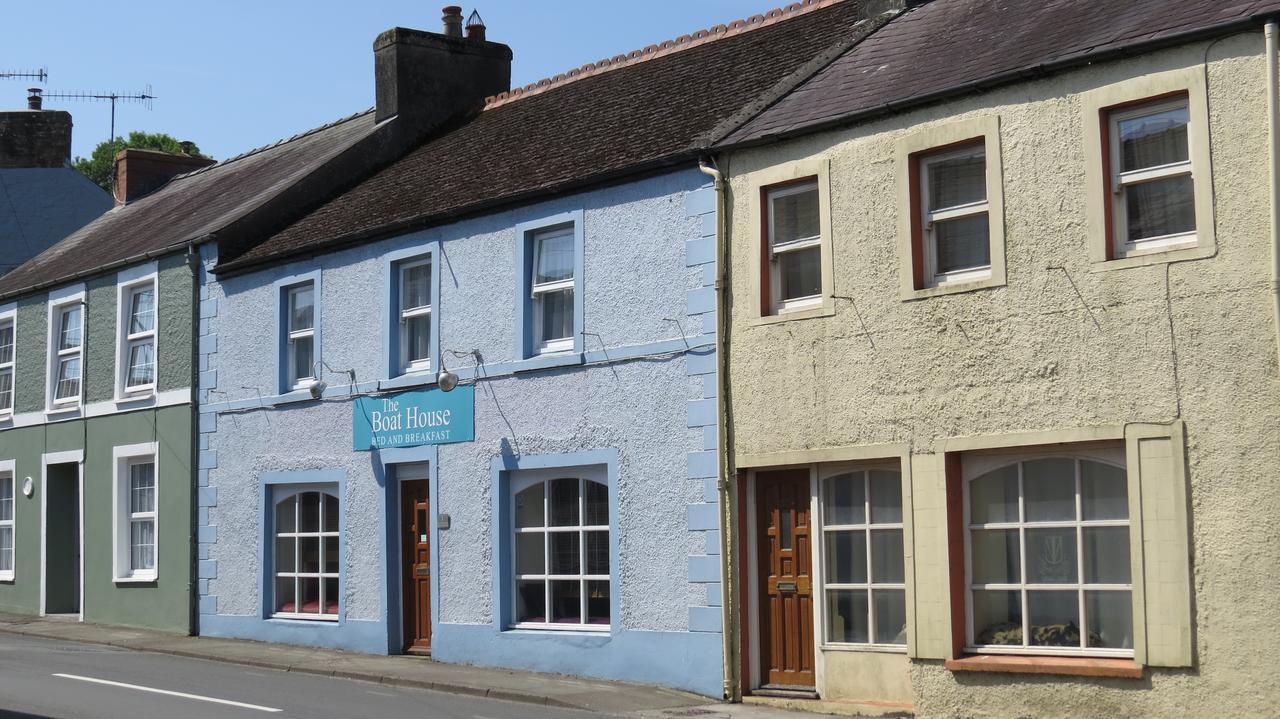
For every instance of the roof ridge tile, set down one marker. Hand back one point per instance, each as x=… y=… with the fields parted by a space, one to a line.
x=649 y=52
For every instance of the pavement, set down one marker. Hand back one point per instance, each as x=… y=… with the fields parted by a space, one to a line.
x=554 y=692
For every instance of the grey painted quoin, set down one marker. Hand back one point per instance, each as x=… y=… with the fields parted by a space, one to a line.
x=631 y=405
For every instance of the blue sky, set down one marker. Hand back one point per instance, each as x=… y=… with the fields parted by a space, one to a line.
x=233 y=75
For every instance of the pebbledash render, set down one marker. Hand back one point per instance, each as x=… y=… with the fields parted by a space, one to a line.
x=1004 y=439
x=611 y=431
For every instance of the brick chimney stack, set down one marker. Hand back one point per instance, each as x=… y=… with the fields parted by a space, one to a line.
x=427 y=78
x=139 y=172
x=35 y=137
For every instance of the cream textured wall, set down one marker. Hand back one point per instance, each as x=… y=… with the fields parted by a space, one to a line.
x=1057 y=347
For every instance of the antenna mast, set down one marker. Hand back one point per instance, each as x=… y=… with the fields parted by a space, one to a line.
x=143 y=98
x=42 y=74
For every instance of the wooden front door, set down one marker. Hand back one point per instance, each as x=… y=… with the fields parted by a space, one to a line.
x=785 y=589
x=415 y=520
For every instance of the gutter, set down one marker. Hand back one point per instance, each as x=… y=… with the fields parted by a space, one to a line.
x=1007 y=77
x=1273 y=132
x=724 y=485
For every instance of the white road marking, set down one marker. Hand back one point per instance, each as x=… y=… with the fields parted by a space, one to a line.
x=196 y=697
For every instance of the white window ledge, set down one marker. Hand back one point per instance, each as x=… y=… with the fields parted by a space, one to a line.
x=543 y=361
x=417 y=378
x=137 y=579
x=146 y=397
x=879 y=648
x=324 y=620
x=603 y=632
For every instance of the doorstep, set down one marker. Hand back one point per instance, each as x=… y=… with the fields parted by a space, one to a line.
x=836 y=707
x=414 y=672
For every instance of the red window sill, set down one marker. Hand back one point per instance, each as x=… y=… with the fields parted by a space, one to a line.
x=1065 y=666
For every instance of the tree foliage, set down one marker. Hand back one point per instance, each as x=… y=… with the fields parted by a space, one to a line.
x=100 y=166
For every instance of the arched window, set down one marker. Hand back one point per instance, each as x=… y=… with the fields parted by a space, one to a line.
x=307 y=555
x=561 y=552
x=1048 y=557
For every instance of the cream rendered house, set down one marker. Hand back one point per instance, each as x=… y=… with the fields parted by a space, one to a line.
x=1002 y=395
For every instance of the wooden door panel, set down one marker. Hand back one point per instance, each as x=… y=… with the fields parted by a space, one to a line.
x=784 y=558
x=415 y=523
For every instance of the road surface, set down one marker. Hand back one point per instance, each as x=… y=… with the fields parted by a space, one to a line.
x=48 y=679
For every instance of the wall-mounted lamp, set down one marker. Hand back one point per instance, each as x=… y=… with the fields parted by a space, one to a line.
x=28 y=488
x=445 y=379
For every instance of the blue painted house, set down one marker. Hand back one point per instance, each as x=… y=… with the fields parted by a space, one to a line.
x=554 y=255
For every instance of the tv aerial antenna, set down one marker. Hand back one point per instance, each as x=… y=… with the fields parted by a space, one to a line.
x=41 y=74
x=143 y=97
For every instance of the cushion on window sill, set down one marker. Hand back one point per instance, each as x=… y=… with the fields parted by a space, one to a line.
x=1064 y=666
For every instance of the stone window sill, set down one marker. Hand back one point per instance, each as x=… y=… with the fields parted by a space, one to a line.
x=1062 y=666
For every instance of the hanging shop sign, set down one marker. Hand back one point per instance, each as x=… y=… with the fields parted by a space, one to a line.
x=410 y=419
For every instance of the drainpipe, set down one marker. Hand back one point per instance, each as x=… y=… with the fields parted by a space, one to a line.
x=1273 y=127
x=193 y=550
x=724 y=484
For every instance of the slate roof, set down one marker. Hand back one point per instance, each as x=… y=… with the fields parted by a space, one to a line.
x=598 y=126
x=950 y=46
x=190 y=208
x=41 y=205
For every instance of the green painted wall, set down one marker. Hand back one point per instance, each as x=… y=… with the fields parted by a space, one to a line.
x=173 y=344
x=164 y=604
x=176 y=334
x=29 y=360
x=100 y=339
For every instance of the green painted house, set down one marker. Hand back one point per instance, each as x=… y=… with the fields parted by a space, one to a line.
x=96 y=445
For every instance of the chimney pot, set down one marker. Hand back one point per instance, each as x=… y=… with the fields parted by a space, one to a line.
x=475 y=26
x=452 y=20
x=34 y=100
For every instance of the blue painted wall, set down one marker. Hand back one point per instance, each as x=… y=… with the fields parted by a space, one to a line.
x=639 y=390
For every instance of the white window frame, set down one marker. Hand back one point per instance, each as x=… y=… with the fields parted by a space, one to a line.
x=870 y=586
x=59 y=304
x=146 y=277
x=292 y=335
x=975 y=467
x=122 y=517
x=781 y=306
x=8 y=474
x=405 y=314
x=527 y=478
x=1121 y=181
x=9 y=318
x=560 y=344
x=280 y=493
x=932 y=277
